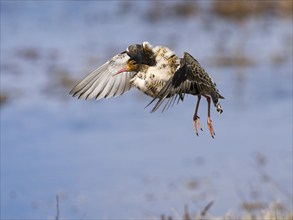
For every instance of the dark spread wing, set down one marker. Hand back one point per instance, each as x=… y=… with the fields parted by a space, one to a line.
x=102 y=83
x=189 y=78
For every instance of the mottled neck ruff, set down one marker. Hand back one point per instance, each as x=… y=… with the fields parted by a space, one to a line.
x=149 y=57
x=163 y=53
x=142 y=54
x=166 y=59
x=151 y=79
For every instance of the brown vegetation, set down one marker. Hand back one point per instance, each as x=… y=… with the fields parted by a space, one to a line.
x=239 y=10
x=28 y=53
x=160 y=10
x=3 y=98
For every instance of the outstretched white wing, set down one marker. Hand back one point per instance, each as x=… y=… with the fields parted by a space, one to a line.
x=103 y=83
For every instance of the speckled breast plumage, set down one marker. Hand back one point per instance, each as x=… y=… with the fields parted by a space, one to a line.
x=151 y=79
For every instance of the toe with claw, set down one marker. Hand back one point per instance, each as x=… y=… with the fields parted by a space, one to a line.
x=212 y=132
x=196 y=124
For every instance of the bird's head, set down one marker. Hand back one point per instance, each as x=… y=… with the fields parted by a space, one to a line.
x=139 y=54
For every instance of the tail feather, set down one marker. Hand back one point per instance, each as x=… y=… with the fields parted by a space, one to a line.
x=216 y=102
x=220 y=96
x=219 y=108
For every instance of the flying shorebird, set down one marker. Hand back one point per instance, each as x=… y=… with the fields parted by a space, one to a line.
x=157 y=72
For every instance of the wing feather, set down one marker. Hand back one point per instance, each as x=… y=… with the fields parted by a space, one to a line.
x=102 y=83
x=189 y=78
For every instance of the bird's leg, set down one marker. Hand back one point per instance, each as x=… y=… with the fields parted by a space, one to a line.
x=212 y=132
x=196 y=123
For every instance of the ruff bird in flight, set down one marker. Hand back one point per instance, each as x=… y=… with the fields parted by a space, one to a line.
x=156 y=71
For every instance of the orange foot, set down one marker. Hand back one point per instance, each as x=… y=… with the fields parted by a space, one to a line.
x=196 y=124
x=212 y=132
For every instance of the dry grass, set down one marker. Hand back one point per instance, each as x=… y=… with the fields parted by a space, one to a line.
x=3 y=98
x=242 y=9
x=161 y=10
x=238 y=60
x=61 y=82
x=270 y=213
x=234 y=10
x=28 y=53
x=254 y=207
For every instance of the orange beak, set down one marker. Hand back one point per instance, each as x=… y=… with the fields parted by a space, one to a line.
x=121 y=71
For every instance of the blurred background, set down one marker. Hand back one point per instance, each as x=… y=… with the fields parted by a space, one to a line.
x=112 y=158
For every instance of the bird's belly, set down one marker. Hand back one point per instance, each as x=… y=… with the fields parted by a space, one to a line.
x=150 y=84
